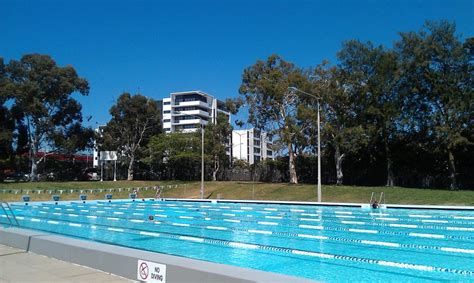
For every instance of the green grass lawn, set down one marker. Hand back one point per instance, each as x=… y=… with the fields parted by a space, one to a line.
x=239 y=190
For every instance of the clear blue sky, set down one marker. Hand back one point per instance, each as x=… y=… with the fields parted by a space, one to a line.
x=158 y=47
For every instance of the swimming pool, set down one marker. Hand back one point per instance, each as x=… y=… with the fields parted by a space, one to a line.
x=315 y=242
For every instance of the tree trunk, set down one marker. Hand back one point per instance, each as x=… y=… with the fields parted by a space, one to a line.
x=338 y=158
x=34 y=162
x=291 y=154
x=216 y=168
x=34 y=168
x=390 y=177
x=452 y=171
x=130 y=169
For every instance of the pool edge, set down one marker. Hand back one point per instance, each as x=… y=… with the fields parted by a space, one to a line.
x=122 y=261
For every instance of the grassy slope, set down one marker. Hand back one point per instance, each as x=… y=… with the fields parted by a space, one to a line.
x=243 y=190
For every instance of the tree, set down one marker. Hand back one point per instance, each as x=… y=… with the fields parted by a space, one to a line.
x=437 y=82
x=176 y=155
x=43 y=103
x=272 y=106
x=217 y=140
x=372 y=74
x=342 y=112
x=135 y=119
x=7 y=124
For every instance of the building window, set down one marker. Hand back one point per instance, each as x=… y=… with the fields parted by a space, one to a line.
x=166 y=120
x=167 y=129
x=167 y=112
x=166 y=103
x=256 y=150
x=269 y=152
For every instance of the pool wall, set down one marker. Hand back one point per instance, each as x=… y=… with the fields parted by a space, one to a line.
x=122 y=261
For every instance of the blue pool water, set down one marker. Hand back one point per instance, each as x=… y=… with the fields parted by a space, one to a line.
x=316 y=242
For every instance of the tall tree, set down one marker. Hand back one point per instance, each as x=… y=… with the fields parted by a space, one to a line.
x=342 y=112
x=135 y=119
x=372 y=73
x=176 y=155
x=217 y=140
x=44 y=103
x=438 y=87
x=265 y=86
x=7 y=124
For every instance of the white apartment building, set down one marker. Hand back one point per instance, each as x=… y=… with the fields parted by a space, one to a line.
x=187 y=111
x=251 y=145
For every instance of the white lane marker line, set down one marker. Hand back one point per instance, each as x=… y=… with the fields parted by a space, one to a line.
x=377 y=243
x=243 y=246
x=112 y=218
x=363 y=231
x=115 y=229
x=457 y=250
x=193 y=239
x=353 y=222
x=180 y=224
x=35 y=220
x=149 y=234
x=422 y=235
x=313 y=236
x=260 y=232
x=232 y=220
x=53 y=222
x=75 y=225
x=216 y=228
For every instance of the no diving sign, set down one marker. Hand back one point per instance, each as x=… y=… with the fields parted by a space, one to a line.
x=151 y=272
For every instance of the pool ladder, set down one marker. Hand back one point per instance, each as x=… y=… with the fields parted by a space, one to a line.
x=8 y=210
x=381 y=198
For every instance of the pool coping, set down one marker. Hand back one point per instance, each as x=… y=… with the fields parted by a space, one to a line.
x=344 y=204
x=123 y=261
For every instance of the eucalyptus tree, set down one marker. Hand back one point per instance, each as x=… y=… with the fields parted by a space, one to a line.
x=43 y=103
x=135 y=119
x=7 y=123
x=371 y=75
x=437 y=82
x=272 y=107
x=217 y=140
x=342 y=128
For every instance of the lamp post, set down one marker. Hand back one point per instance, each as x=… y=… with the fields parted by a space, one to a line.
x=319 y=140
x=202 y=151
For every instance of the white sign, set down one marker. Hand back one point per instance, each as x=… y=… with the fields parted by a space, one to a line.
x=148 y=271
x=108 y=155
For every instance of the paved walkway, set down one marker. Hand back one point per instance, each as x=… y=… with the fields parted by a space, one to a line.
x=21 y=266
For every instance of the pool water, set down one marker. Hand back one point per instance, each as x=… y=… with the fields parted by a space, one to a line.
x=316 y=242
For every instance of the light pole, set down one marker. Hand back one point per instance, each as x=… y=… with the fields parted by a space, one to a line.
x=202 y=151
x=319 y=140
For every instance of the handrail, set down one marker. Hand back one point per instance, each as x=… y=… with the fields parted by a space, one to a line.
x=11 y=212
x=371 y=197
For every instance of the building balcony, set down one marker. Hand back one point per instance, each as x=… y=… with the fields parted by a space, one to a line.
x=196 y=112
x=192 y=103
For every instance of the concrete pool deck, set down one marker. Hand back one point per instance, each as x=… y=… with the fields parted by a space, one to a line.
x=17 y=265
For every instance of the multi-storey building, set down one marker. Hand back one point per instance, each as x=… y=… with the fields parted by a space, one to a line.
x=188 y=111
x=251 y=145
